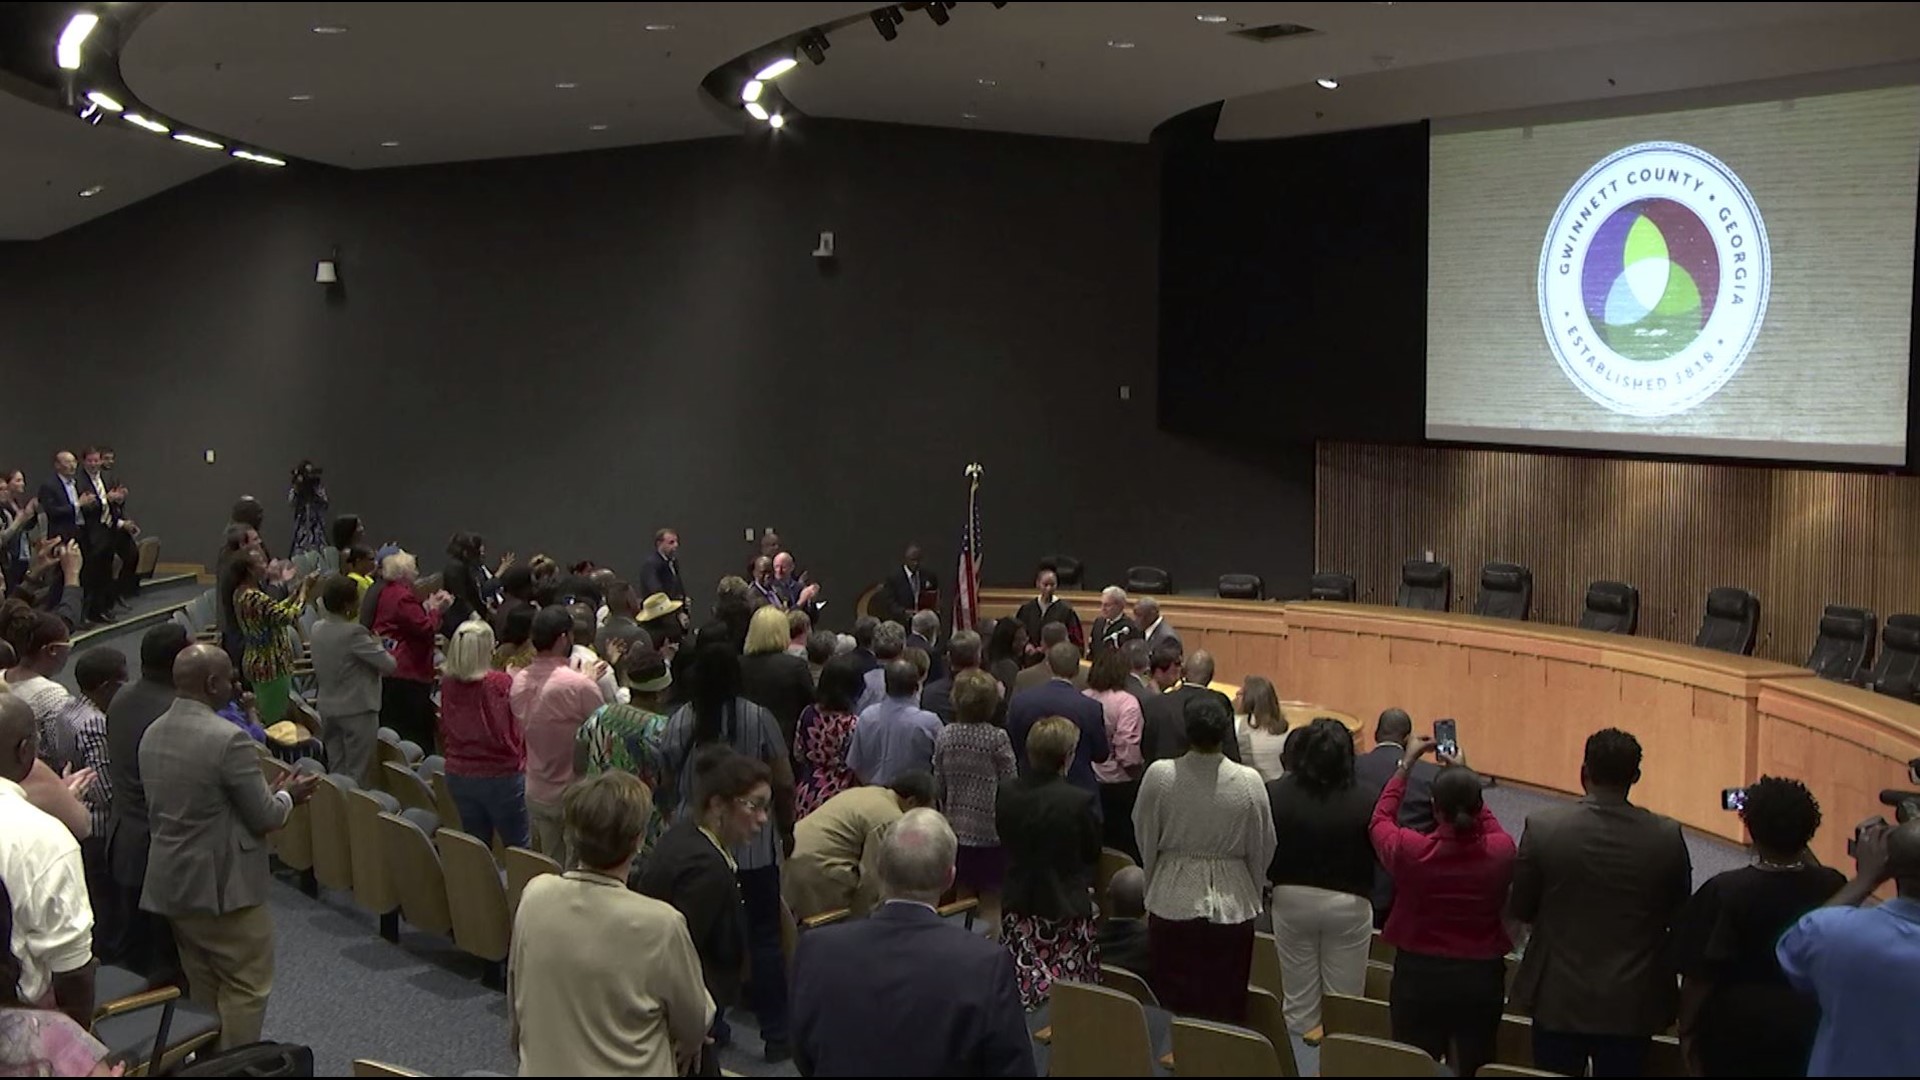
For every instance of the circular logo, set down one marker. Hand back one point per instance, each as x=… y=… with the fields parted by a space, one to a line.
x=1653 y=279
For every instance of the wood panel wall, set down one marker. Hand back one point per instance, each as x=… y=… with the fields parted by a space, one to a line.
x=1798 y=539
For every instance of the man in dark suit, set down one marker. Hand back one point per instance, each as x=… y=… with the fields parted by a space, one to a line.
x=1113 y=629
x=660 y=573
x=1123 y=934
x=901 y=591
x=904 y=992
x=1373 y=769
x=1601 y=881
x=1058 y=697
x=1037 y=674
x=963 y=654
x=1163 y=732
x=104 y=536
x=209 y=811
x=145 y=942
x=61 y=499
x=864 y=628
x=1153 y=625
x=1140 y=679
x=921 y=634
x=1045 y=608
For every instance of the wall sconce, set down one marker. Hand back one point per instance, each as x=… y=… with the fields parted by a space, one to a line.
x=327 y=270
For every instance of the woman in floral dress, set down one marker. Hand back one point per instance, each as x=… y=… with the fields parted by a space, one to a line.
x=1052 y=839
x=821 y=737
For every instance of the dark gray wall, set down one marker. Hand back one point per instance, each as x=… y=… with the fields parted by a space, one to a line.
x=565 y=352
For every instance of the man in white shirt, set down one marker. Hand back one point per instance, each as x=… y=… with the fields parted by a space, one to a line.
x=40 y=864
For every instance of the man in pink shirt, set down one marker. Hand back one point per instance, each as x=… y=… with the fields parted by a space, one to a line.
x=551 y=700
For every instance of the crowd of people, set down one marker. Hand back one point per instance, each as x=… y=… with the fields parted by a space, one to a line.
x=704 y=780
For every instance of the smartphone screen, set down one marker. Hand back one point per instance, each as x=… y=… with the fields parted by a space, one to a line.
x=1446 y=738
x=1733 y=798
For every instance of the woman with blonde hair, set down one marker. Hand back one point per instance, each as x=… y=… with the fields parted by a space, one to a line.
x=1051 y=836
x=406 y=622
x=770 y=676
x=1260 y=727
x=486 y=756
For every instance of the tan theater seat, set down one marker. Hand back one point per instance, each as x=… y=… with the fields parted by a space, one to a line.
x=476 y=897
x=1098 y=1032
x=1357 y=1055
x=418 y=879
x=1206 y=1048
x=523 y=865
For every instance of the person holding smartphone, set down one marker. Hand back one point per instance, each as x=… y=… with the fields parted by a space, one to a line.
x=1450 y=885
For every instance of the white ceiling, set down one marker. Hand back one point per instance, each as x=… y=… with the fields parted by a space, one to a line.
x=460 y=82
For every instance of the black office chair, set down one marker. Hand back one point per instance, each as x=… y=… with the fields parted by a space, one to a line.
x=1613 y=607
x=1845 y=645
x=1897 y=672
x=1066 y=569
x=1506 y=591
x=1425 y=585
x=1333 y=586
x=1149 y=579
x=1732 y=622
x=1242 y=587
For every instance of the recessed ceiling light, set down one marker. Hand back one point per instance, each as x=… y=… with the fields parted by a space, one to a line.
x=195 y=140
x=776 y=121
x=596 y=127
x=756 y=110
x=1119 y=44
x=987 y=82
x=1326 y=83
x=67 y=52
x=390 y=143
x=776 y=69
x=104 y=101
x=329 y=30
x=1211 y=18
x=565 y=85
x=90 y=192
x=299 y=97
x=657 y=27
x=154 y=126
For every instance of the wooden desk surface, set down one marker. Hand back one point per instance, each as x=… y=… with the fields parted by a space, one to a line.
x=1527 y=695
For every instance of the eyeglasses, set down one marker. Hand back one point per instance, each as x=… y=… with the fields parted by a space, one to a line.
x=759 y=806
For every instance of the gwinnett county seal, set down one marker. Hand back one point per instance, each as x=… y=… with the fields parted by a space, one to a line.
x=1653 y=279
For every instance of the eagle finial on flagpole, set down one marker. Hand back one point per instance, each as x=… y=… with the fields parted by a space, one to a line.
x=974 y=471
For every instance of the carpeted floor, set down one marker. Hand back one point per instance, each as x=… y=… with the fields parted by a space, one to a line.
x=349 y=994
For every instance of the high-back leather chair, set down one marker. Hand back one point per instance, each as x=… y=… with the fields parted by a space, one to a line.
x=1844 y=647
x=1333 y=586
x=1150 y=580
x=1425 y=585
x=1066 y=569
x=1732 y=621
x=1897 y=672
x=1612 y=607
x=1506 y=591
x=1242 y=587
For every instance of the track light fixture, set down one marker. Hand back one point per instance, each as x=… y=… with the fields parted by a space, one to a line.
x=815 y=47
x=887 y=21
x=939 y=12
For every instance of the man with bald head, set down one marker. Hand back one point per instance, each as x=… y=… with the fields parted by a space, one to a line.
x=1153 y=625
x=1863 y=964
x=901 y=591
x=209 y=811
x=1123 y=933
x=40 y=863
x=858 y=986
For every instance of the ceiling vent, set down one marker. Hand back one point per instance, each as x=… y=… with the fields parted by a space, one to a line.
x=1273 y=32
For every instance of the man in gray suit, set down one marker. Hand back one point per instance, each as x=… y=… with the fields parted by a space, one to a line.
x=348 y=664
x=209 y=811
x=1373 y=769
x=1601 y=881
x=1146 y=612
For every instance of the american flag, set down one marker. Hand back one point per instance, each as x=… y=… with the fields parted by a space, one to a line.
x=966 y=592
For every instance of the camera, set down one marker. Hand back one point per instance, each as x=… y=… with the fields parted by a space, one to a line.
x=1906 y=807
x=1733 y=798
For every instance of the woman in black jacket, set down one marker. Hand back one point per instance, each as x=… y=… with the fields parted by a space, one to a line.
x=1052 y=839
x=692 y=869
x=770 y=676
